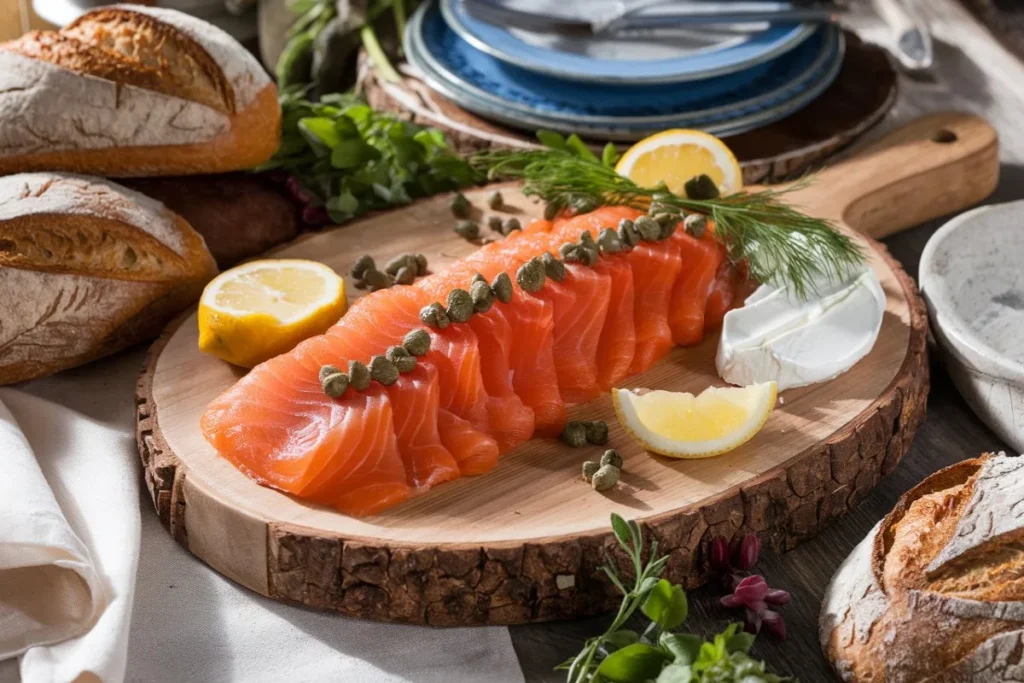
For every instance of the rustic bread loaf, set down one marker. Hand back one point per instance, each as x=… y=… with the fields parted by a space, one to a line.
x=134 y=91
x=936 y=591
x=87 y=267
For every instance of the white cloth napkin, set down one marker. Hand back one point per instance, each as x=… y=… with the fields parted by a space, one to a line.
x=187 y=622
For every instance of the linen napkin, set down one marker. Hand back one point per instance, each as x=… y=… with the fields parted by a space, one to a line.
x=189 y=623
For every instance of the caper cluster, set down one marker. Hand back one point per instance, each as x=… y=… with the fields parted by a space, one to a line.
x=384 y=369
x=603 y=474
x=401 y=270
x=461 y=305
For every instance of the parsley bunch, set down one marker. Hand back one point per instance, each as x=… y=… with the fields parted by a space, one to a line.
x=659 y=654
x=352 y=159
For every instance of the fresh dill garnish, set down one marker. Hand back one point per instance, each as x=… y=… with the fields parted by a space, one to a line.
x=779 y=244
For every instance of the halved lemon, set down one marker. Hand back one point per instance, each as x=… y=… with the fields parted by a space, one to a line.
x=261 y=309
x=681 y=425
x=675 y=156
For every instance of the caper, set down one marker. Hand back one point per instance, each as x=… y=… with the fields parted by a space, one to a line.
x=566 y=249
x=495 y=200
x=589 y=255
x=459 y=205
x=502 y=287
x=335 y=384
x=551 y=209
x=696 y=224
x=589 y=469
x=376 y=279
x=701 y=187
x=531 y=275
x=477 y=277
x=397 y=263
x=482 y=296
x=586 y=239
x=434 y=315
x=553 y=268
x=510 y=225
x=597 y=432
x=383 y=370
x=494 y=223
x=358 y=376
x=417 y=342
x=612 y=457
x=467 y=230
x=574 y=434
x=648 y=228
x=421 y=264
x=605 y=478
x=362 y=264
x=405 y=276
x=403 y=360
x=608 y=241
x=460 y=306
x=627 y=233
x=584 y=203
x=328 y=370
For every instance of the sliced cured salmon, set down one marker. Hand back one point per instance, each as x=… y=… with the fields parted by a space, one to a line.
x=486 y=385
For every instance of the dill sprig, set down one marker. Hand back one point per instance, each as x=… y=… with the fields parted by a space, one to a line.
x=779 y=244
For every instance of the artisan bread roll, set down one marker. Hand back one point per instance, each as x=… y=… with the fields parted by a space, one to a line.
x=87 y=267
x=936 y=591
x=134 y=91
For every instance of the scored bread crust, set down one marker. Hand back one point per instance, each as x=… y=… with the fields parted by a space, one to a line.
x=936 y=590
x=87 y=267
x=134 y=91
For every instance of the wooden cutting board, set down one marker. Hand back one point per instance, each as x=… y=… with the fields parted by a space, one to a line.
x=525 y=541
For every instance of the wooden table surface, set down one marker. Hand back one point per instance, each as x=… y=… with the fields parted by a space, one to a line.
x=972 y=73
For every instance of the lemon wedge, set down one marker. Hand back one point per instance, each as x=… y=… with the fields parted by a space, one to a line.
x=261 y=309
x=681 y=425
x=675 y=156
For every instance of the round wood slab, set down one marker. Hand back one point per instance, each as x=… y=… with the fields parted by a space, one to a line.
x=861 y=95
x=525 y=541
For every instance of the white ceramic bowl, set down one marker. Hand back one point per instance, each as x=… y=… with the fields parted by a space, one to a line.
x=972 y=276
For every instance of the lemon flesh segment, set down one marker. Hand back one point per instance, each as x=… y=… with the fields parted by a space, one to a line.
x=259 y=310
x=681 y=425
x=676 y=156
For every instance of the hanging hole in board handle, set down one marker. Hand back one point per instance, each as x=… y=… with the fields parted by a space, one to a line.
x=944 y=137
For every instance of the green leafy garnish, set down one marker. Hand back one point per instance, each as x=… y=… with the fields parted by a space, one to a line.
x=779 y=244
x=620 y=655
x=353 y=159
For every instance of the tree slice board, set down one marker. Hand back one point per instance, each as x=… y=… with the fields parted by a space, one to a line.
x=863 y=92
x=525 y=541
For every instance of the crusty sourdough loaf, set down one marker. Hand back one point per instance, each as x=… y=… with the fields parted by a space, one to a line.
x=87 y=267
x=134 y=91
x=936 y=591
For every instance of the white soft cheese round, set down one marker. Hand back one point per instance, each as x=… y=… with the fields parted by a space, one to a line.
x=777 y=336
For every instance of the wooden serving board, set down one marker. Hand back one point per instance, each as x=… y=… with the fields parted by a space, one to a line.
x=863 y=92
x=525 y=541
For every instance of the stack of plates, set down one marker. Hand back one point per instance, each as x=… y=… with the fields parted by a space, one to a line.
x=725 y=80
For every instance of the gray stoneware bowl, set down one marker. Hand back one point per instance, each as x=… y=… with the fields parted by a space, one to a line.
x=972 y=276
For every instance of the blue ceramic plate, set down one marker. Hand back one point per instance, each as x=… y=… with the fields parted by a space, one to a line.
x=675 y=56
x=777 y=90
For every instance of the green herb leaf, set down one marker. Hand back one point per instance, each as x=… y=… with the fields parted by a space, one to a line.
x=666 y=605
x=574 y=143
x=740 y=642
x=320 y=133
x=685 y=648
x=621 y=530
x=610 y=155
x=552 y=140
x=677 y=673
x=621 y=638
x=636 y=662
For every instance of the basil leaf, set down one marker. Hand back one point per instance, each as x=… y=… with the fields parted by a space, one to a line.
x=610 y=155
x=741 y=642
x=550 y=138
x=676 y=673
x=636 y=662
x=352 y=153
x=621 y=638
x=574 y=143
x=320 y=133
x=685 y=647
x=666 y=605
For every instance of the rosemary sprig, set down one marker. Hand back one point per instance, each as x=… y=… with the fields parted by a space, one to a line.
x=779 y=244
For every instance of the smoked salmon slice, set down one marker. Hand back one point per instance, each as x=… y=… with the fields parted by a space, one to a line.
x=700 y=260
x=277 y=426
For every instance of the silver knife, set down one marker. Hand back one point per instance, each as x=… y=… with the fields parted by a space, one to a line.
x=625 y=19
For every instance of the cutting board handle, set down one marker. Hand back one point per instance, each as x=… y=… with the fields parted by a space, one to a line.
x=935 y=165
